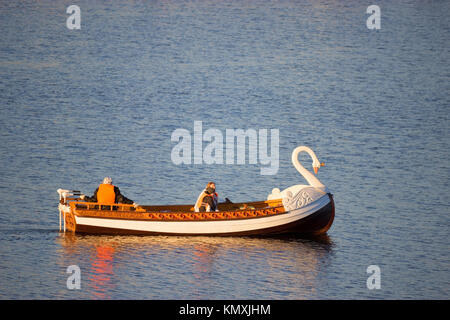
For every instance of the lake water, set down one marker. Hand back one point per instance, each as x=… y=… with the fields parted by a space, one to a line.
x=79 y=105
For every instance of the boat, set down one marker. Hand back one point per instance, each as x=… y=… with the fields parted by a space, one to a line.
x=299 y=209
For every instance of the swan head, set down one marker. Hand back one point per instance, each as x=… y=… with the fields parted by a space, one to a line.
x=316 y=165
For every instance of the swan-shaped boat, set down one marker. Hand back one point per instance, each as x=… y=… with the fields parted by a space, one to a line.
x=299 y=209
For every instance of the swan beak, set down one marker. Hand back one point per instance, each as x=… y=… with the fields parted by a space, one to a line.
x=316 y=170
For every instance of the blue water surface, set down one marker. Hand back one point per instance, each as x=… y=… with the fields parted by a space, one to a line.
x=79 y=105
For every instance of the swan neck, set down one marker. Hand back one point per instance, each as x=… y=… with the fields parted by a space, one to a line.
x=312 y=180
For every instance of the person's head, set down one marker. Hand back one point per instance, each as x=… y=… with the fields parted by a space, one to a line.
x=211 y=187
x=107 y=180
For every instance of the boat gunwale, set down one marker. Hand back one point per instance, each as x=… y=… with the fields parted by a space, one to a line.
x=176 y=215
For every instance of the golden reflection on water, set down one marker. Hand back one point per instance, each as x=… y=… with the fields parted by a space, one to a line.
x=289 y=266
x=102 y=271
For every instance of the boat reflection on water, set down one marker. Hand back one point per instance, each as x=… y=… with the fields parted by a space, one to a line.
x=96 y=261
x=197 y=267
x=102 y=271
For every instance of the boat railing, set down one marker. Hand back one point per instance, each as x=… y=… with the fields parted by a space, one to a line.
x=102 y=206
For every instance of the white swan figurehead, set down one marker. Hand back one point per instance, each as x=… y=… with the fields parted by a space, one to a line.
x=312 y=179
x=315 y=188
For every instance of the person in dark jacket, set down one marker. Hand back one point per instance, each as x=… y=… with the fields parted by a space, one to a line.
x=208 y=199
x=108 y=193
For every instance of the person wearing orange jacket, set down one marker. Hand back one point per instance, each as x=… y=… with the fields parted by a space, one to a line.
x=107 y=193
